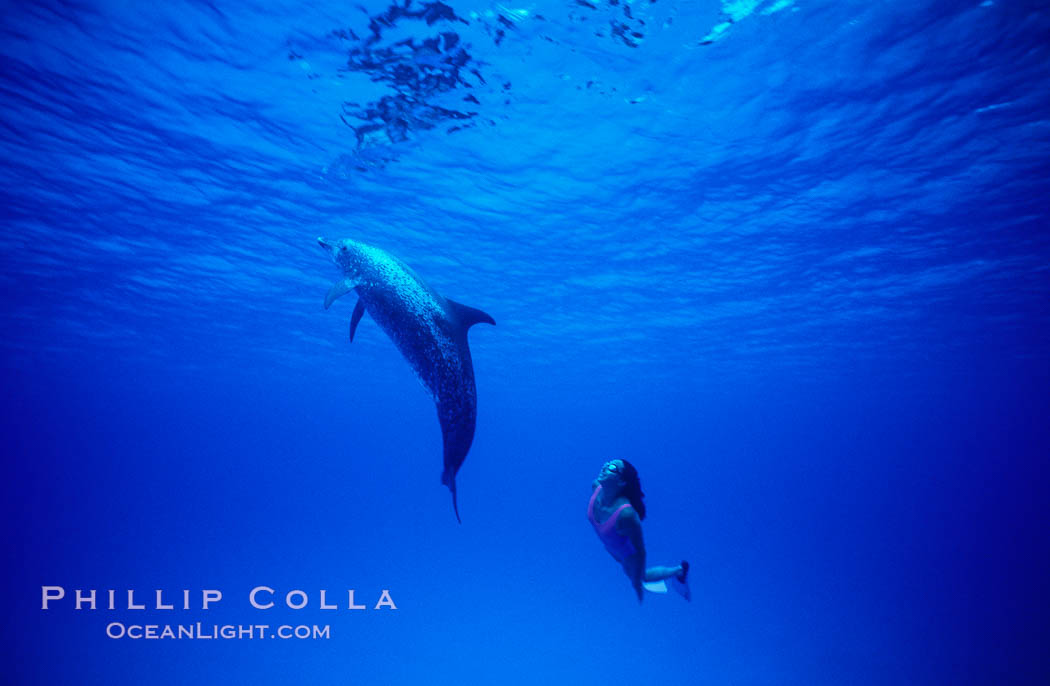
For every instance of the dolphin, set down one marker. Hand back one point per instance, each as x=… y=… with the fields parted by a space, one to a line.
x=429 y=330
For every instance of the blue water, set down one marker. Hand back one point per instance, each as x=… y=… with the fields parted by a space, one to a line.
x=790 y=258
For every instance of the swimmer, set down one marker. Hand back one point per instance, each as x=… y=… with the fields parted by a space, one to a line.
x=616 y=511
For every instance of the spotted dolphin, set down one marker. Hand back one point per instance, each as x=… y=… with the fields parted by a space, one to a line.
x=429 y=330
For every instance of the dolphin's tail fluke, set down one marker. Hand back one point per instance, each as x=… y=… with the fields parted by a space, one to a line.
x=457 y=433
x=455 y=505
x=451 y=483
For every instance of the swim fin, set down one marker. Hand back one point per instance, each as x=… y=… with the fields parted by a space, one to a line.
x=680 y=583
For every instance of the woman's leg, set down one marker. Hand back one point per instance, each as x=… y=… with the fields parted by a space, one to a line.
x=661 y=573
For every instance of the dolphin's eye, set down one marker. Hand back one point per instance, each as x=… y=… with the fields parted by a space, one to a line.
x=342 y=249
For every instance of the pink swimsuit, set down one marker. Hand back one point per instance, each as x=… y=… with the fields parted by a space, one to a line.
x=618 y=545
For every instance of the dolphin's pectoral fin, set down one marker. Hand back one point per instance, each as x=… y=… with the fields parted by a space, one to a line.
x=338 y=290
x=468 y=316
x=359 y=311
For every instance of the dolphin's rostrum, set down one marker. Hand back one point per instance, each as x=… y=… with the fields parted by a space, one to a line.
x=429 y=330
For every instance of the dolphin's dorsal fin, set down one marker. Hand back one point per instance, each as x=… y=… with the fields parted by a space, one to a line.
x=468 y=316
x=338 y=290
x=359 y=311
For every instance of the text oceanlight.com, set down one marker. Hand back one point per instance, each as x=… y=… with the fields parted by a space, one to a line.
x=199 y=631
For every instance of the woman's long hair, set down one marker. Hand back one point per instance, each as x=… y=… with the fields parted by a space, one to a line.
x=633 y=488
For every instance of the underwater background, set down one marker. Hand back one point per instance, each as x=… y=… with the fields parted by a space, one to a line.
x=789 y=258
